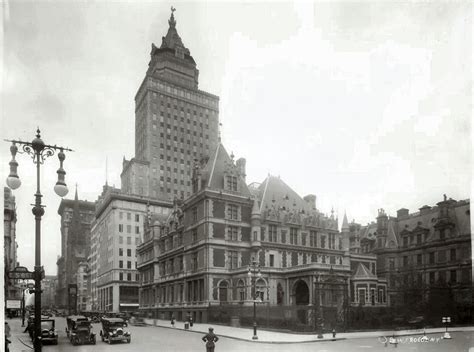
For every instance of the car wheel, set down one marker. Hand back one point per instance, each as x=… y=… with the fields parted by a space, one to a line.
x=102 y=337
x=129 y=339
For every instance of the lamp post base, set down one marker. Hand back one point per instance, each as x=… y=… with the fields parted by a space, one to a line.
x=254 y=337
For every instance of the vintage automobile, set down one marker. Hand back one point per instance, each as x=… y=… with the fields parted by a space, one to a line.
x=113 y=330
x=48 y=331
x=30 y=324
x=79 y=330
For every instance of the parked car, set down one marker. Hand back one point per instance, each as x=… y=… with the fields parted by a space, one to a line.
x=79 y=330
x=113 y=330
x=48 y=331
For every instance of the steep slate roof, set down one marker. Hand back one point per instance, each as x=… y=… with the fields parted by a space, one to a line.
x=362 y=272
x=274 y=192
x=215 y=168
x=393 y=239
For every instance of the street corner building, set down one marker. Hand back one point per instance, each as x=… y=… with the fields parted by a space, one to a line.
x=195 y=263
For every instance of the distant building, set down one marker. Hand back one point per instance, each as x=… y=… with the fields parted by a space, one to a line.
x=83 y=286
x=49 y=287
x=196 y=261
x=175 y=123
x=76 y=218
x=425 y=256
x=115 y=233
x=12 y=290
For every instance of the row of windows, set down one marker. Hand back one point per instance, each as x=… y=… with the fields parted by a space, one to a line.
x=129 y=228
x=128 y=277
x=129 y=264
x=129 y=252
x=129 y=240
x=180 y=93
x=429 y=258
x=432 y=277
x=129 y=216
x=330 y=241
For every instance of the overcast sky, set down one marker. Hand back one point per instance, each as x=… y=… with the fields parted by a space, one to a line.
x=367 y=104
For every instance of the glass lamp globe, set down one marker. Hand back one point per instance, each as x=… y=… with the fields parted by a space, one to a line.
x=13 y=182
x=61 y=189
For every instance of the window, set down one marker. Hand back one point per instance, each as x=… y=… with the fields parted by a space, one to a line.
x=272 y=233
x=231 y=183
x=432 y=257
x=418 y=238
x=283 y=236
x=194 y=261
x=312 y=238
x=137 y=217
x=129 y=240
x=272 y=260
x=120 y=251
x=195 y=214
x=120 y=276
x=233 y=259
x=137 y=230
x=120 y=264
x=120 y=240
x=129 y=228
x=129 y=276
x=303 y=239
x=452 y=276
x=323 y=241
x=120 y=228
x=121 y=215
x=129 y=252
x=432 y=277
x=129 y=216
x=419 y=259
x=194 y=234
x=452 y=254
x=405 y=241
x=129 y=264
x=233 y=232
x=232 y=211
x=293 y=235
x=405 y=260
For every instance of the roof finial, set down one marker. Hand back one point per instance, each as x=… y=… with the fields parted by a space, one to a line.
x=172 y=21
x=75 y=196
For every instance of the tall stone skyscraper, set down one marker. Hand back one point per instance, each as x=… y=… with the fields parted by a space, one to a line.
x=175 y=123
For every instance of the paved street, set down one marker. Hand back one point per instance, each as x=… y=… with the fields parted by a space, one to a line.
x=167 y=339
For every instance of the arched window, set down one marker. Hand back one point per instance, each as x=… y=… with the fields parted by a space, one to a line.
x=261 y=288
x=241 y=292
x=223 y=286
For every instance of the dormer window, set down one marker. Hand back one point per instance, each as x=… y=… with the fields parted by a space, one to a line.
x=231 y=183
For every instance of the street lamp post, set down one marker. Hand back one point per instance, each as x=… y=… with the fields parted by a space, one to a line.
x=39 y=152
x=254 y=273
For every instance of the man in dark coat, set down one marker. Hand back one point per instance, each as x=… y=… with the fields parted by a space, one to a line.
x=210 y=338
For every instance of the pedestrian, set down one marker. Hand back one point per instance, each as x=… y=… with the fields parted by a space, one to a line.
x=191 y=321
x=333 y=333
x=7 y=336
x=172 y=321
x=210 y=338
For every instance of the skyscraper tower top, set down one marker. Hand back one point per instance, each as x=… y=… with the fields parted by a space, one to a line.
x=172 y=61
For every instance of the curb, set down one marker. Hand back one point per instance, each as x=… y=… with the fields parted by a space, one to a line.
x=250 y=340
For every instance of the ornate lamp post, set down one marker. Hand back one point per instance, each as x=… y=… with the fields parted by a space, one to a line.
x=254 y=273
x=39 y=152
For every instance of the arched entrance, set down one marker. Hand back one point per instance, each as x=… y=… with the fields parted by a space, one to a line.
x=301 y=293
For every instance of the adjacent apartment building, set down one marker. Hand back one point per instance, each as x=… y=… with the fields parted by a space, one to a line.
x=425 y=256
x=12 y=290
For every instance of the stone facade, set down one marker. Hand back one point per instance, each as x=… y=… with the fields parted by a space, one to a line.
x=425 y=256
x=199 y=257
x=10 y=245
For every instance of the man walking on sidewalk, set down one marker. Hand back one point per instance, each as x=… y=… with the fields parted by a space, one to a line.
x=7 y=336
x=210 y=338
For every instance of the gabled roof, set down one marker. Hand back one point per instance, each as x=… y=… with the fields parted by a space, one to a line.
x=218 y=165
x=392 y=238
x=345 y=224
x=363 y=272
x=274 y=192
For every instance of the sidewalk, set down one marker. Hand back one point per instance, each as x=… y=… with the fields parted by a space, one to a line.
x=20 y=341
x=266 y=336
